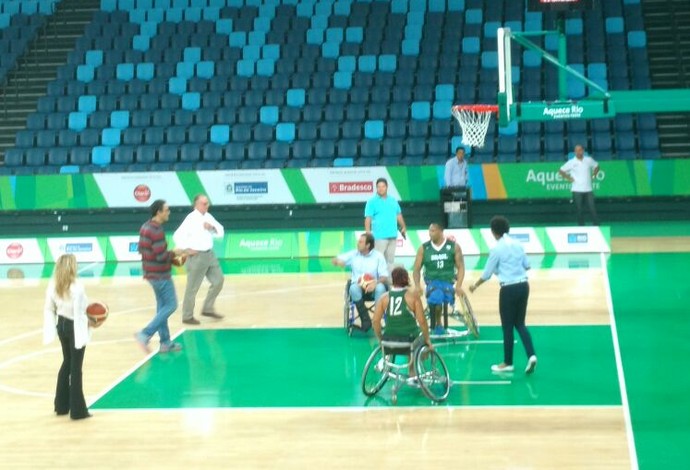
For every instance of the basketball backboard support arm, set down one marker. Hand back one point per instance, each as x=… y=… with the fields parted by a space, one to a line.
x=602 y=104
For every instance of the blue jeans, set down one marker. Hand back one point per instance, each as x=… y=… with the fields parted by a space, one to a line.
x=356 y=292
x=166 y=304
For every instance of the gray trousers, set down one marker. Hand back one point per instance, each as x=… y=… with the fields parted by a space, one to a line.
x=387 y=247
x=200 y=266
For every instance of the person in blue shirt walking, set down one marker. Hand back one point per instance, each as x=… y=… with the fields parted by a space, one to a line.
x=383 y=218
x=508 y=261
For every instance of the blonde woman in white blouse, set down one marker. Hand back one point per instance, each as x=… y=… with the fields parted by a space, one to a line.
x=65 y=316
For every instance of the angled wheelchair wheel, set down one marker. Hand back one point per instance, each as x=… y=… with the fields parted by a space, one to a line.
x=468 y=316
x=375 y=373
x=347 y=310
x=432 y=374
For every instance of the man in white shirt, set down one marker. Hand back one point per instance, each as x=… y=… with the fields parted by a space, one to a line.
x=580 y=171
x=195 y=236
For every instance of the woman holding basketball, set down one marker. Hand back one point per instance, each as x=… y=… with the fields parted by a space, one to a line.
x=65 y=314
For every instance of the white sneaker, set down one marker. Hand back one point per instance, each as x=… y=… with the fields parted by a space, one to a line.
x=502 y=368
x=531 y=364
x=380 y=365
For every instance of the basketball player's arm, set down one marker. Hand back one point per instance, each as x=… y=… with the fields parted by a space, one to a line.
x=417 y=270
x=367 y=224
x=460 y=268
x=418 y=310
x=596 y=169
x=381 y=307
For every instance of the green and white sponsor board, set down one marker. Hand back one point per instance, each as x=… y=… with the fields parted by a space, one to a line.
x=333 y=185
x=305 y=245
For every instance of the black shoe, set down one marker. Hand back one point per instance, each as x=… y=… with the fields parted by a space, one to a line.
x=62 y=413
x=215 y=315
x=191 y=321
x=87 y=415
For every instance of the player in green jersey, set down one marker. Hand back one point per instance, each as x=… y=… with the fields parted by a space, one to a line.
x=443 y=265
x=404 y=315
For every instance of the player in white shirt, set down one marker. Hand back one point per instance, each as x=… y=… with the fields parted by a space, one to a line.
x=195 y=236
x=580 y=171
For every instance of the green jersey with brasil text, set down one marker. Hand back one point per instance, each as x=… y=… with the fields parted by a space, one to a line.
x=400 y=320
x=439 y=265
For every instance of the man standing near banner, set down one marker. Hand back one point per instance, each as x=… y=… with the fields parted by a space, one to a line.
x=195 y=236
x=580 y=171
x=382 y=218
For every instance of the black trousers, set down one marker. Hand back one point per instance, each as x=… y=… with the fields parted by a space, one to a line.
x=585 y=198
x=69 y=394
x=512 y=305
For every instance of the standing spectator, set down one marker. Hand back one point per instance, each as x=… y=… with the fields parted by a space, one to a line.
x=364 y=260
x=444 y=266
x=382 y=218
x=195 y=236
x=455 y=175
x=155 y=260
x=508 y=261
x=580 y=171
x=64 y=313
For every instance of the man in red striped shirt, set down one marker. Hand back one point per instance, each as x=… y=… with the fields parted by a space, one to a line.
x=156 y=260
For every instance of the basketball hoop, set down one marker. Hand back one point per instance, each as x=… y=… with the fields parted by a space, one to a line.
x=474 y=121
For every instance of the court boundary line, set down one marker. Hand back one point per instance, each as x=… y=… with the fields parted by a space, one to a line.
x=350 y=409
x=632 y=450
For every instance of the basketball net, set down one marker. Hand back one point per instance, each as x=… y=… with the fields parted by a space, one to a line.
x=474 y=122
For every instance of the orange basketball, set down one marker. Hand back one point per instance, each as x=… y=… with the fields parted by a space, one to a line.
x=97 y=311
x=364 y=280
x=179 y=260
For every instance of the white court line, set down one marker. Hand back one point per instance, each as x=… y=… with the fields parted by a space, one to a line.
x=619 y=368
x=359 y=409
x=481 y=382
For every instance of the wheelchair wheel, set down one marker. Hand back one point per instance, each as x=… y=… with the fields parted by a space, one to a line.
x=432 y=374
x=375 y=373
x=468 y=316
x=347 y=310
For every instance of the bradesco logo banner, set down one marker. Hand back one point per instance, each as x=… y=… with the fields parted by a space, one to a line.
x=578 y=240
x=246 y=187
x=403 y=246
x=20 y=251
x=525 y=235
x=260 y=245
x=86 y=249
x=356 y=184
x=125 y=248
x=141 y=189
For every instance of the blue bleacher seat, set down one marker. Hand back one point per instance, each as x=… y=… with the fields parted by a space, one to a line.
x=373 y=129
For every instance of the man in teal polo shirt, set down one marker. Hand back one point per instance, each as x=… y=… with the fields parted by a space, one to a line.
x=382 y=218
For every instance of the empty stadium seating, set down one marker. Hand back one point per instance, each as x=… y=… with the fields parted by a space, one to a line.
x=182 y=84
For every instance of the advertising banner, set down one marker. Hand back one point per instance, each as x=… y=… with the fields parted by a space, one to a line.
x=260 y=245
x=124 y=248
x=527 y=236
x=141 y=189
x=86 y=249
x=246 y=187
x=579 y=239
x=356 y=184
x=20 y=251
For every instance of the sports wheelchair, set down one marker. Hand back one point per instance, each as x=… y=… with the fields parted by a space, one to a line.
x=463 y=313
x=432 y=374
x=350 y=314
